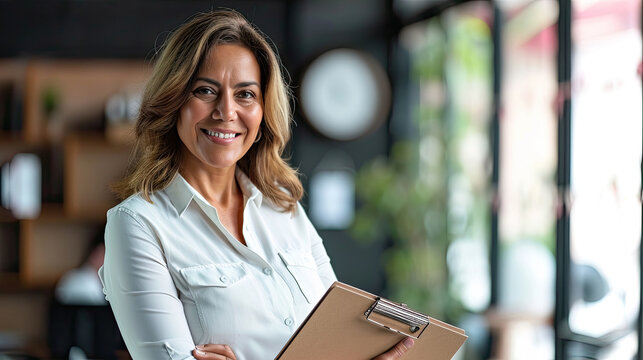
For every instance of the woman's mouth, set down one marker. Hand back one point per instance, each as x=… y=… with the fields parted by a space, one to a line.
x=220 y=135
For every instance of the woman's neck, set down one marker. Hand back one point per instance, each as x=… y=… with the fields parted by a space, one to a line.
x=218 y=186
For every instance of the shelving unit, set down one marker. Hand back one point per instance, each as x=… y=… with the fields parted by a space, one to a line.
x=57 y=109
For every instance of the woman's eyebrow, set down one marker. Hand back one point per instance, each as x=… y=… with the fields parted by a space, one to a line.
x=210 y=81
x=236 y=86
x=246 y=84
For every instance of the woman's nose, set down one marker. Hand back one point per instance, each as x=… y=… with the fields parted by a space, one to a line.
x=225 y=108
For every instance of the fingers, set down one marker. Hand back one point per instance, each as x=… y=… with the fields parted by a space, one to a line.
x=214 y=352
x=397 y=351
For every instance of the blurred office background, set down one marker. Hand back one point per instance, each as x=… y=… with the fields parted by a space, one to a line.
x=477 y=160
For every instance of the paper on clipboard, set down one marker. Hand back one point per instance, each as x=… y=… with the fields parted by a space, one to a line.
x=349 y=323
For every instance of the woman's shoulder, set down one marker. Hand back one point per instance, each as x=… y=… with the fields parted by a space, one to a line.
x=133 y=203
x=137 y=206
x=136 y=212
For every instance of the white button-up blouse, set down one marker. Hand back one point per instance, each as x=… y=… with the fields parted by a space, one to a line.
x=175 y=277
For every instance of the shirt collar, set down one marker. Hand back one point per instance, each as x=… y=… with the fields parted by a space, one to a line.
x=249 y=189
x=181 y=193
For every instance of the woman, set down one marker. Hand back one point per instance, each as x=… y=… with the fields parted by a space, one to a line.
x=210 y=246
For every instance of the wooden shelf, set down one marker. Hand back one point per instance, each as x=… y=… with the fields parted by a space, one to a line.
x=7 y=137
x=56 y=212
x=122 y=134
x=11 y=146
x=24 y=314
x=62 y=120
x=50 y=248
x=92 y=164
x=47 y=247
x=81 y=88
x=6 y=216
x=56 y=111
x=10 y=282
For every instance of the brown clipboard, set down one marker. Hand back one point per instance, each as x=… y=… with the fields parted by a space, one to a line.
x=352 y=324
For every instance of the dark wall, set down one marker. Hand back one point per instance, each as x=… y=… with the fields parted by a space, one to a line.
x=300 y=29
x=113 y=29
x=318 y=26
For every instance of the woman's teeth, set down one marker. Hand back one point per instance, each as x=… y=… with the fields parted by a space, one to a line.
x=219 y=135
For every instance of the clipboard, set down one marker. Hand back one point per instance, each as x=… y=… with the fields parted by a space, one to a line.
x=352 y=324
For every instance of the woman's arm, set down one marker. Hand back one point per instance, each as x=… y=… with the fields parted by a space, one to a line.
x=223 y=352
x=317 y=249
x=141 y=292
x=324 y=268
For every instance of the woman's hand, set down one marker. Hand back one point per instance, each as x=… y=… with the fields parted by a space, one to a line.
x=224 y=352
x=214 y=352
x=397 y=351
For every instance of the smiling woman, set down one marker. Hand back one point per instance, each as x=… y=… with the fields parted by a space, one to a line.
x=210 y=245
x=220 y=122
x=180 y=76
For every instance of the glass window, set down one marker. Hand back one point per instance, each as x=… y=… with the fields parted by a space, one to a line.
x=451 y=58
x=527 y=187
x=605 y=216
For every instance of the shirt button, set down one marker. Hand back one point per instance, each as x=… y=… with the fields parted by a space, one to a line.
x=224 y=279
x=267 y=271
x=288 y=321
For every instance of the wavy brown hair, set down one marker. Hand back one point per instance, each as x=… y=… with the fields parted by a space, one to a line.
x=157 y=150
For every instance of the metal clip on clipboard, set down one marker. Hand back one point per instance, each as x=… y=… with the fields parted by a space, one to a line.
x=385 y=313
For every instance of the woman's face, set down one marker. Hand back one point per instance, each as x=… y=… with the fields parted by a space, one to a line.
x=220 y=121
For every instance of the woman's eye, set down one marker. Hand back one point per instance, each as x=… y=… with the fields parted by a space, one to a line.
x=204 y=93
x=246 y=94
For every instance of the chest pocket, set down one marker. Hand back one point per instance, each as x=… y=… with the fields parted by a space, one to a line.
x=220 y=293
x=303 y=268
x=218 y=275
